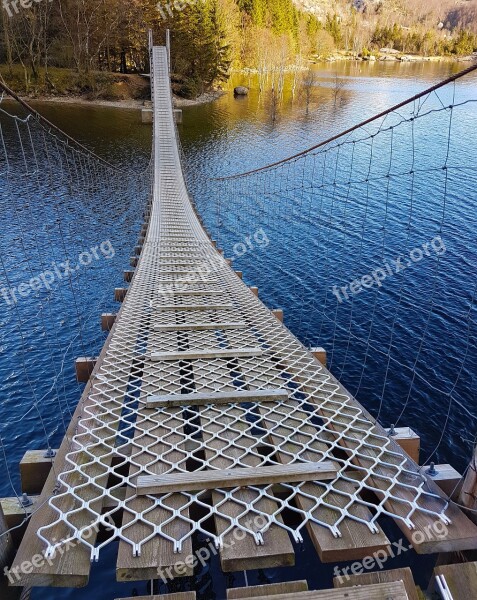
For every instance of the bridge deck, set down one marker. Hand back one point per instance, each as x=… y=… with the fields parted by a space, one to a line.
x=189 y=325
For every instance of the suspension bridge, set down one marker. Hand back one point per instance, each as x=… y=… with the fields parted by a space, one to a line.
x=204 y=414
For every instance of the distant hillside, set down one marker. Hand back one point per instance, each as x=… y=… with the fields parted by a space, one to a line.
x=440 y=14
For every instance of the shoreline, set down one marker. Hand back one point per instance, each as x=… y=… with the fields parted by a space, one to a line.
x=213 y=95
x=394 y=57
x=128 y=104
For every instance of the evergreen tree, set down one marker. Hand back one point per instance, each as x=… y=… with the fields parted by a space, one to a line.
x=200 y=49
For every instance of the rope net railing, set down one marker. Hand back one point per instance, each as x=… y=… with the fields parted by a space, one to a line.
x=70 y=220
x=188 y=325
x=367 y=242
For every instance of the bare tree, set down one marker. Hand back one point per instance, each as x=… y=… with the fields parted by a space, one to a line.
x=309 y=82
x=29 y=29
x=338 y=85
x=84 y=21
x=6 y=28
x=274 y=102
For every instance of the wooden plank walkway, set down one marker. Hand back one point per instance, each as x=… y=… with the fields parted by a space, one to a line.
x=366 y=579
x=271 y=589
x=197 y=377
x=381 y=591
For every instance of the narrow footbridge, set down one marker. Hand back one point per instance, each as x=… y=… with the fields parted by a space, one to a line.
x=204 y=414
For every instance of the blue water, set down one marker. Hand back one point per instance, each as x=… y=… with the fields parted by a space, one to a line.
x=317 y=238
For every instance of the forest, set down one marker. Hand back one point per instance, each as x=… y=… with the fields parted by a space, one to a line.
x=90 y=38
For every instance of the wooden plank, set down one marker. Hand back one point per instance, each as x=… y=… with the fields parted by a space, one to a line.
x=157 y=553
x=404 y=575
x=461 y=579
x=198 y=326
x=6 y=555
x=35 y=466
x=201 y=398
x=120 y=294
x=447 y=478
x=107 y=321
x=180 y=281
x=179 y=292
x=217 y=353
x=174 y=596
x=227 y=478
x=409 y=441
x=6 y=544
x=320 y=354
x=271 y=589
x=84 y=366
x=223 y=306
x=187 y=261
x=182 y=272
x=381 y=591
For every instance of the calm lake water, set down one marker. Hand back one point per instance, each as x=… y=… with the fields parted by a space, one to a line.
x=230 y=136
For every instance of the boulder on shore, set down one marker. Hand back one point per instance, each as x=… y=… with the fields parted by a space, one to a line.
x=241 y=90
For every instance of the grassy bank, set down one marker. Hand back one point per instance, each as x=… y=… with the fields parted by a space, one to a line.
x=96 y=85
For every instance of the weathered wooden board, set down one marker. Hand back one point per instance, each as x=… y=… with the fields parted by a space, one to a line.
x=216 y=353
x=238 y=477
x=186 y=307
x=404 y=575
x=202 y=398
x=381 y=591
x=271 y=589
x=157 y=553
x=198 y=326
